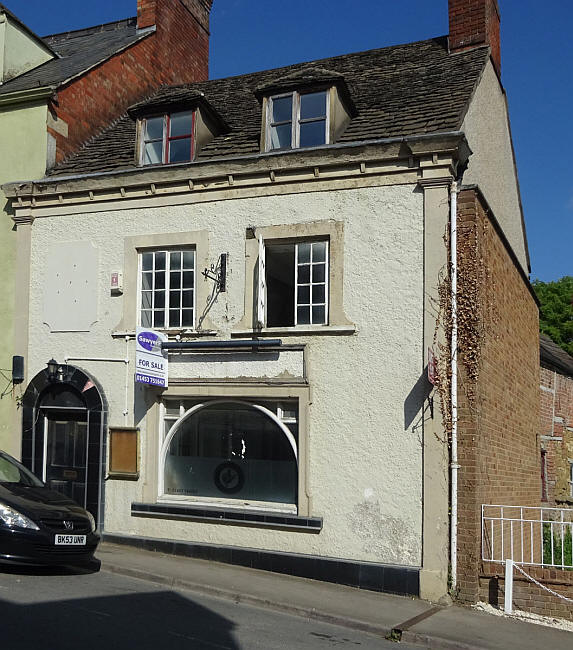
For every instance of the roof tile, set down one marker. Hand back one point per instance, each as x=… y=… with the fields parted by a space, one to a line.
x=402 y=90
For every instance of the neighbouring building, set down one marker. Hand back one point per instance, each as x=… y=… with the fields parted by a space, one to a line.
x=58 y=91
x=541 y=537
x=556 y=431
x=290 y=234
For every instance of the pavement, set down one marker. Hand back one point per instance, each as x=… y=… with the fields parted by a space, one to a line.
x=403 y=619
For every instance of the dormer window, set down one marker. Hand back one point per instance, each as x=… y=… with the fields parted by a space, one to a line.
x=168 y=138
x=296 y=120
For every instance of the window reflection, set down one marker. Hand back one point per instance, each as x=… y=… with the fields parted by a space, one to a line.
x=232 y=450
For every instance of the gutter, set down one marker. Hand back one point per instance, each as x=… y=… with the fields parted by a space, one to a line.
x=29 y=95
x=17 y=188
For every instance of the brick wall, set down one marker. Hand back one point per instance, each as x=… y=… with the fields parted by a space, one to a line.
x=178 y=52
x=498 y=395
x=473 y=23
x=556 y=430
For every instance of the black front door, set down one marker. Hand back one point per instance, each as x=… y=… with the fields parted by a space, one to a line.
x=66 y=454
x=63 y=436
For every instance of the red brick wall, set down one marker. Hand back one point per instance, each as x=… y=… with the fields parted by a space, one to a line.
x=473 y=23
x=146 y=13
x=498 y=394
x=178 y=52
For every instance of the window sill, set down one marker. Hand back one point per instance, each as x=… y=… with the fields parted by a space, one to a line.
x=263 y=519
x=186 y=333
x=303 y=330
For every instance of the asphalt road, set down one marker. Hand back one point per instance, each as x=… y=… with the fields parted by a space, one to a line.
x=70 y=610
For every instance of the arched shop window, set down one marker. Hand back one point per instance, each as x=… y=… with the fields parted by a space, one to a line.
x=231 y=449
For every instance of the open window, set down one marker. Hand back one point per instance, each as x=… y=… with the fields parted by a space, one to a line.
x=293 y=283
x=295 y=280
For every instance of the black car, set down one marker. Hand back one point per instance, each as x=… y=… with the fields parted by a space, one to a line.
x=38 y=525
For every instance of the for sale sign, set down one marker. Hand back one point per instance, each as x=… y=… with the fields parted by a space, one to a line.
x=150 y=359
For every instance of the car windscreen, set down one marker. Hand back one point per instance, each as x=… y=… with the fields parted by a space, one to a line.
x=11 y=471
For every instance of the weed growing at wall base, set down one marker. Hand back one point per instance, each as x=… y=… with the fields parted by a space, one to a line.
x=561 y=551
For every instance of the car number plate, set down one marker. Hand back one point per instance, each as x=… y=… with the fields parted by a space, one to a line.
x=70 y=540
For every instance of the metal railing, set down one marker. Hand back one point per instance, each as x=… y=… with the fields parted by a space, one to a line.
x=527 y=536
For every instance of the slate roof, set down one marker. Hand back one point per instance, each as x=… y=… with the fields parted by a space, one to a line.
x=411 y=89
x=555 y=357
x=77 y=51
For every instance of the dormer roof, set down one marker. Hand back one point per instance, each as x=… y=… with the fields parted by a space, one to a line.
x=306 y=79
x=170 y=99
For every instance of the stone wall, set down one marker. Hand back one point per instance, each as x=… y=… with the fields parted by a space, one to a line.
x=556 y=430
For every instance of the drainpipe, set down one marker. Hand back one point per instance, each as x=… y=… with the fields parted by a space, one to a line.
x=454 y=386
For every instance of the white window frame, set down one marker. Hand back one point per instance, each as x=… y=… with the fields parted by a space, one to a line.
x=262 y=284
x=166 y=139
x=311 y=284
x=295 y=119
x=166 y=308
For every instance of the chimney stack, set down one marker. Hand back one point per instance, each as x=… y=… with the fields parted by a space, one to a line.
x=474 y=23
x=148 y=11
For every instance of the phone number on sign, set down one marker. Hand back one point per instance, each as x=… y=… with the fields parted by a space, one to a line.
x=154 y=381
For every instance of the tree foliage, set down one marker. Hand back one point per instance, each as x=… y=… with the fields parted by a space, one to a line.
x=556 y=311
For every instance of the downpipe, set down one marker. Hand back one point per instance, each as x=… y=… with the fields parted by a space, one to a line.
x=454 y=387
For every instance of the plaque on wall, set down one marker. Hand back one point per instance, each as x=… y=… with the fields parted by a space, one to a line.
x=124 y=452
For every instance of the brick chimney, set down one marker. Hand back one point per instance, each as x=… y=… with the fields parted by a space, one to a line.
x=149 y=11
x=176 y=52
x=146 y=13
x=474 y=23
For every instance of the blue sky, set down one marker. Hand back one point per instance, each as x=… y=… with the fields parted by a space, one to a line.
x=537 y=56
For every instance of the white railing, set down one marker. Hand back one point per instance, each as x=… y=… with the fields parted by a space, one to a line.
x=534 y=536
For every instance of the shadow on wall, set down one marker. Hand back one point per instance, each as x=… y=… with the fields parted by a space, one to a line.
x=215 y=291
x=146 y=621
x=9 y=210
x=415 y=401
x=223 y=357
